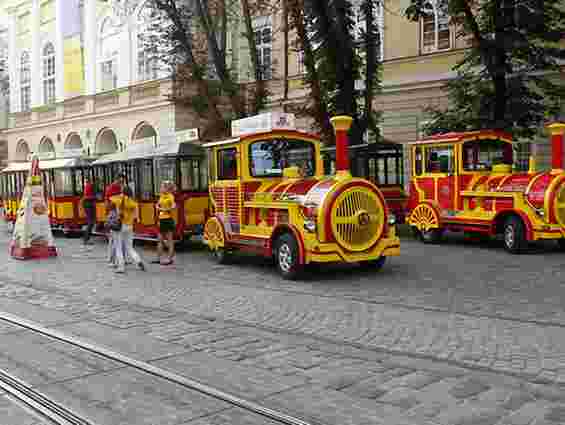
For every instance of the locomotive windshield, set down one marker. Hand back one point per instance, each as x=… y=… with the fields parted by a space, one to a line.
x=268 y=158
x=481 y=155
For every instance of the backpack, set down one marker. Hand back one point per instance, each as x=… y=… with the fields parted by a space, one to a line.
x=114 y=221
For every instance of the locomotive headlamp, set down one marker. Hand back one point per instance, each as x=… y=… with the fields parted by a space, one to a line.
x=391 y=219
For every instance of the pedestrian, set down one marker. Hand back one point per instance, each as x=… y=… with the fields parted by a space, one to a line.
x=167 y=226
x=113 y=189
x=127 y=211
x=89 y=206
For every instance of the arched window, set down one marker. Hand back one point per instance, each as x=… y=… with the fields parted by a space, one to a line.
x=108 y=54
x=147 y=66
x=435 y=33
x=48 y=74
x=25 y=82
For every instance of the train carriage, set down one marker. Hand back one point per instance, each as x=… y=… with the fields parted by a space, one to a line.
x=380 y=163
x=270 y=196
x=63 y=184
x=465 y=182
x=145 y=167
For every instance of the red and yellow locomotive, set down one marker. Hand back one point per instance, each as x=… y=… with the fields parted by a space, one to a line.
x=465 y=182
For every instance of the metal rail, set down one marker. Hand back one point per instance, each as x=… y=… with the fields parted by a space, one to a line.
x=155 y=371
x=39 y=403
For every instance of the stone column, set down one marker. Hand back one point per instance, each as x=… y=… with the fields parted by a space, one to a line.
x=59 y=52
x=13 y=63
x=36 y=81
x=91 y=45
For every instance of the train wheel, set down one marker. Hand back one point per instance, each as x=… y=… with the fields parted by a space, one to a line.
x=375 y=265
x=286 y=257
x=514 y=235
x=431 y=236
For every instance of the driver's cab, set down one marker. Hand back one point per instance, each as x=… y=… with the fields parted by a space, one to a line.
x=446 y=164
x=265 y=153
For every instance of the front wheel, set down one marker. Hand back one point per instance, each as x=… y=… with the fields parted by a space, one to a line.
x=287 y=257
x=428 y=236
x=514 y=235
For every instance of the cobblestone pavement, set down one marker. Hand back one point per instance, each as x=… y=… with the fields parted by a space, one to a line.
x=459 y=333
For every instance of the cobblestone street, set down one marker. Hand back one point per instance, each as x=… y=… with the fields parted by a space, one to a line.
x=465 y=334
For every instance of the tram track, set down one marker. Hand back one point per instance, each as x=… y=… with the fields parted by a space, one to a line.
x=63 y=416
x=40 y=404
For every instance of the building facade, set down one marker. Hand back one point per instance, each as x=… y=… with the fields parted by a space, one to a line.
x=84 y=81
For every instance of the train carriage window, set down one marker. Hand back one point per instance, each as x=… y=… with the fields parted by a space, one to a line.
x=165 y=169
x=204 y=174
x=418 y=159
x=99 y=182
x=270 y=157
x=146 y=180
x=439 y=159
x=189 y=174
x=79 y=181
x=227 y=164
x=481 y=155
x=64 y=182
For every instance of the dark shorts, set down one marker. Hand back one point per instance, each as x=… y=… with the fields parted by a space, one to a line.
x=167 y=225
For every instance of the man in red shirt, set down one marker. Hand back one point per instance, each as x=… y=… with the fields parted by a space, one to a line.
x=89 y=205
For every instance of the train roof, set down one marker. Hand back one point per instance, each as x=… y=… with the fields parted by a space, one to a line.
x=282 y=132
x=148 y=151
x=464 y=136
x=46 y=165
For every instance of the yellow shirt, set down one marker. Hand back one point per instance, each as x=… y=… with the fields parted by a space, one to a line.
x=128 y=210
x=166 y=201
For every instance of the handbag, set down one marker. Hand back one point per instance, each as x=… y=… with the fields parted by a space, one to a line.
x=115 y=220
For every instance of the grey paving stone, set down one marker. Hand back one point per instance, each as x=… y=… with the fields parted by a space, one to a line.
x=47 y=317
x=232 y=417
x=415 y=380
x=127 y=397
x=470 y=414
x=556 y=414
x=229 y=376
x=132 y=342
x=330 y=376
x=528 y=413
x=12 y=414
x=319 y=405
x=467 y=388
x=405 y=398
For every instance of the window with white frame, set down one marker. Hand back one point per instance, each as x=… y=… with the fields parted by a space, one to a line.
x=435 y=32
x=108 y=55
x=264 y=44
x=360 y=25
x=300 y=66
x=48 y=74
x=25 y=82
x=147 y=65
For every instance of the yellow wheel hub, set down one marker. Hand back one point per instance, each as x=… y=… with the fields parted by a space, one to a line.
x=213 y=234
x=424 y=218
x=357 y=219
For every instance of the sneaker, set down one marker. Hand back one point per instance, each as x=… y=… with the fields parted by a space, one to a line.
x=167 y=262
x=141 y=266
x=156 y=261
x=112 y=265
x=120 y=271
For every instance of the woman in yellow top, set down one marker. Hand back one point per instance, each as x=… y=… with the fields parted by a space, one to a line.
x=167 y=226
x=128 y=211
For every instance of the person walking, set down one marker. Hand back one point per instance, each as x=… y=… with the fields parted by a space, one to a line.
x=113 y=189
x=89 y=206
x=127 y=211
x=165 y=207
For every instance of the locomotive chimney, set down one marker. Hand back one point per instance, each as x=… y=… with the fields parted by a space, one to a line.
x=341 y=125
x=556 y=129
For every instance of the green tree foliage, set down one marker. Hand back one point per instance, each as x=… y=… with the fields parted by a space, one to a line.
x=504 y=80
x=335 y=57
x=190 y=38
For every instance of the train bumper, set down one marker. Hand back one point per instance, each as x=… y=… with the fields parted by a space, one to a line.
x=316 y=252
